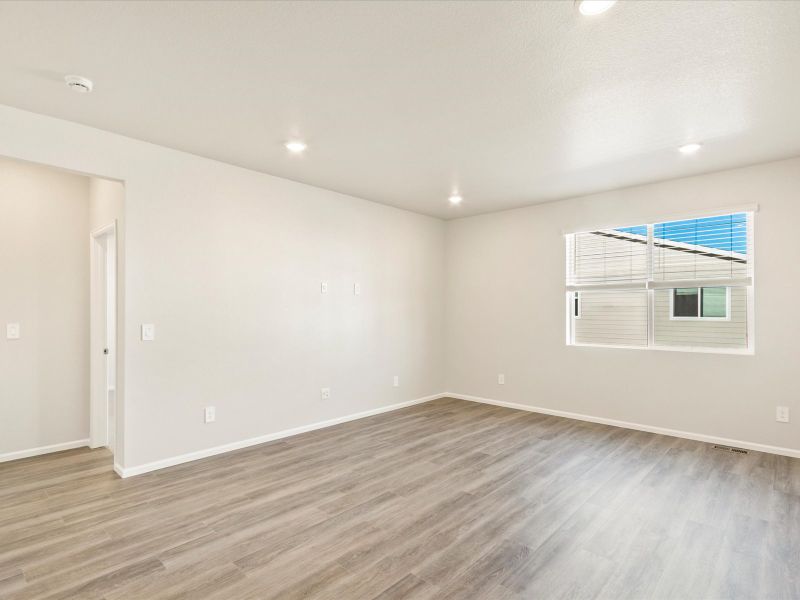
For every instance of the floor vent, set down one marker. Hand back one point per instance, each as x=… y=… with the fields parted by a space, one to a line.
x=730 y=449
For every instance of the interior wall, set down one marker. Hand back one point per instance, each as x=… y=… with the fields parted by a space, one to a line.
x=44 y=286
x=505 y=304
x=227 y=263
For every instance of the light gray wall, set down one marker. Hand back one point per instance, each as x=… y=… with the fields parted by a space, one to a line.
x=506 y=314
x=227 y=264
x=44 y=286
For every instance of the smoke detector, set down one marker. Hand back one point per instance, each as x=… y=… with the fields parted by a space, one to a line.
x=79 y=84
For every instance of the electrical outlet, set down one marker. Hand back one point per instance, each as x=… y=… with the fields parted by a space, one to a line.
x=501 y=379
x=782 y=414
x=396 y=382
x=210 y=414
x=325 y=393
x=323 y=287
x=356 y=289
x=148 y=332
x=12 y=331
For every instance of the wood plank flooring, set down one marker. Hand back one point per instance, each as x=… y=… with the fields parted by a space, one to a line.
x=448 y=499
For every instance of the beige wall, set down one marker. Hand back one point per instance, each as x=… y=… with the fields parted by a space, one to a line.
x=44 y=286
x=227 y=264
x=506 y=314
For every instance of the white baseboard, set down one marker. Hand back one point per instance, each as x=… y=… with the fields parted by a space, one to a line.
x=43 y=450
x=700 y=437
x=183 y=458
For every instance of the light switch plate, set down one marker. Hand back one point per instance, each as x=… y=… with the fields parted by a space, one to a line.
x=210 y=414
x=501 y=379
x=148 y=332
x=12 y=331
x=396 y=382
x=323 y=287
x=356 y=289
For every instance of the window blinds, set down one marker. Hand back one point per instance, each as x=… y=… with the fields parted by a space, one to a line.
x=620 y=282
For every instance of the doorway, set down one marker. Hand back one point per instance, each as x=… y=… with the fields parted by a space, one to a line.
x=103 y=337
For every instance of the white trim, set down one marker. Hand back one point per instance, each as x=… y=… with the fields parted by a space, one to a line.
x=698 y=283
x=599 y=287
x=700 y=437
x=702 y=349
x=198 y=454
x=43 y=450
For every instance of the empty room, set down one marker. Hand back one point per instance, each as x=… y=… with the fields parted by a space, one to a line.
x=386 y=300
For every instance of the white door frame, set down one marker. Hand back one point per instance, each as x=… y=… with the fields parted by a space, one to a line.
x=103 y=253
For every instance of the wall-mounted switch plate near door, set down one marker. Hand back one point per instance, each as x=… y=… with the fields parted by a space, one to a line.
x=12 y=331
x=396 y=382
x=782 y=414
x=356 y=289
x=210 y=414
x=323 y=287
x=325 y=393
x=148 y=332
x=501 y=379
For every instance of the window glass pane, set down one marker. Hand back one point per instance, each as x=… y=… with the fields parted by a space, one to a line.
x=709 y=247
x=714 y=302
x=612 y=318
x=684 y=303
x=608 y=256
x=701 y=333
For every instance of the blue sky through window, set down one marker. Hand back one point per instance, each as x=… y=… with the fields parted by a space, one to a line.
x=728 y=232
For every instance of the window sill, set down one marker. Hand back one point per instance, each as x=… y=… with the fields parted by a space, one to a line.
x=691 y=349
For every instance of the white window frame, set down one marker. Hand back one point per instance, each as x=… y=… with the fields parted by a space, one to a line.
x=651 y=286
x=699 y=289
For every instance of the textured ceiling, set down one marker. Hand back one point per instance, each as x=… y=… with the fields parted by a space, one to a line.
x=512 y=103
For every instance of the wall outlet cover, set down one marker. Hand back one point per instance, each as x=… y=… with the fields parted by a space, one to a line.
x=325 y=393
x=148 y=332
x=12 y=331
x=210 y=414
x=782 y=414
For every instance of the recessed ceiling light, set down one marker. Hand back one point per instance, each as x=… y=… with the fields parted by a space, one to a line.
x=295 y=146
x=690 y=148
x=590 y=8
x=79 y=84
x=455 y=198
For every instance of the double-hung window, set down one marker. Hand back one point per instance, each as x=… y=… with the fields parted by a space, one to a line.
x=680 y=285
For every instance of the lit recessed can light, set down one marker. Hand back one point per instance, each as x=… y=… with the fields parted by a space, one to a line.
x=455 y=198
x=590 y=8
x=690 y=148
x=296 y=146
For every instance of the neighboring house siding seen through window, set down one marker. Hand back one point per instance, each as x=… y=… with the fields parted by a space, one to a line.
x=680 y=285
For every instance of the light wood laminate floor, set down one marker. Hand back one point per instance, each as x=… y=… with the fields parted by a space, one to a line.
x=448 y=499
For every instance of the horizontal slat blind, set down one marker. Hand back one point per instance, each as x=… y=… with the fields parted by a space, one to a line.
x=715 y=247
x=607 y=256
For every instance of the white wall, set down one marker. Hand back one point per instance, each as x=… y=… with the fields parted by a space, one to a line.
x=44 y=286
x=227 y=264
x=506 y=314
